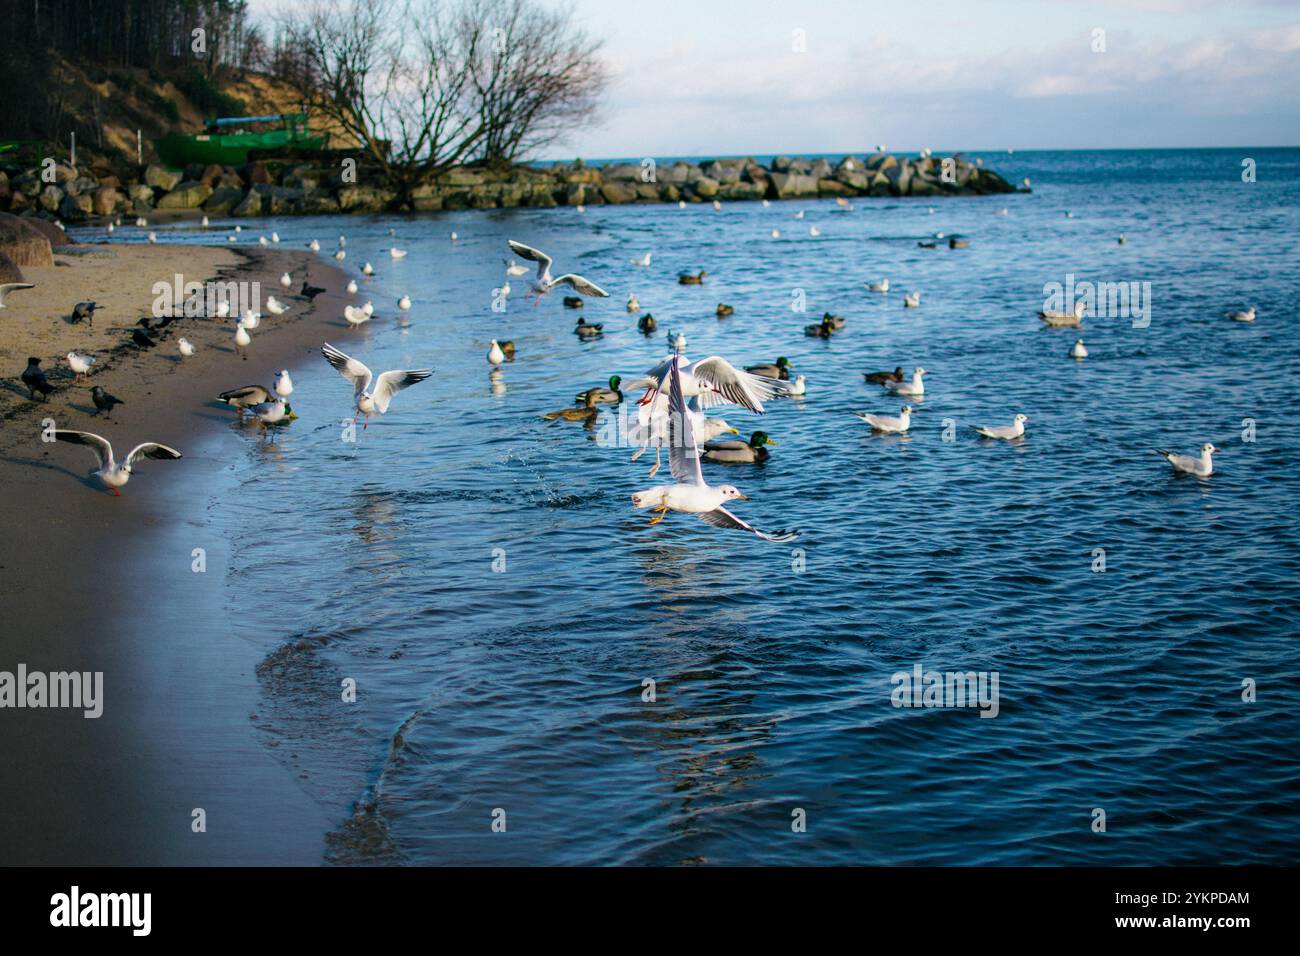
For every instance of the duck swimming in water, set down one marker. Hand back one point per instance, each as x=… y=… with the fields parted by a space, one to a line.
x=587 y=331
x=725 y=310
x=778 y=369
x=647 y=324
x=739 y=452
x=583 y=413
x=609 y=396
x=880 y=378
x=688 y=278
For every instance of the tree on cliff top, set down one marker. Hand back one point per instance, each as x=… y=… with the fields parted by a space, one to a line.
x=424 y=85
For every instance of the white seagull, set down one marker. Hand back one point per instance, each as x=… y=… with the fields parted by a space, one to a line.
x=355 y=316
x=495 y=355
x=912 y=300
x=715 y=380
x=314 y=246
x=915 y=387
x=633 y=303
x=1006 y=432
x=352 y=287
x=7 y=287
x=186 y=347
x=1078 y=351
x=404 y=303
x=643 y=262
x=1246 y=316
x=889 y=423
x=80 y=364
x=242 y=341
x=275 y=306
x=372 y=401
x=112 y=474
x=1059 y=320
x=690 y=494
x=368 y=269
x=1201 y=467
x=515 y=269
x=544 y=283
x=881 y=286
x=286 y=280
x=397 y=253
x=283 y=384
x=272 y=413
x=340 y=255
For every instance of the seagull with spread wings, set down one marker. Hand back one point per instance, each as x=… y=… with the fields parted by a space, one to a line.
x=544 y=282
x=691 y=495
x=113 y=474
x=372 y=401
x=714 y=380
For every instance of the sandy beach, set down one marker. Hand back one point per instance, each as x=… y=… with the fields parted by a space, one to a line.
x=82 y=564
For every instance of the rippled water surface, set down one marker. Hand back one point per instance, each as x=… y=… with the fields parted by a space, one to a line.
x=522 y=689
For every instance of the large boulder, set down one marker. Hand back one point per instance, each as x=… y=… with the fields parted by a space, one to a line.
x=621 y=172
x=223 y=200
x=50 y=198
x=739 y=190
x=23 y=243
x=160 y=177
x=363 y=199
x=107 y=200
x=706 y=187
x=617 y=193
x=793 y=185
x=187 y=195
x=833 y=187
x=250 y=205
x=75 y=208
x=56 y=236
x=9 y=271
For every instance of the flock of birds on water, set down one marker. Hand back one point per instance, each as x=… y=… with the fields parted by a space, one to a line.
x=671 y=413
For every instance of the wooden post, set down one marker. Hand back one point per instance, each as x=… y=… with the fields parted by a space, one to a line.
x=139 y=149
x=74 y=149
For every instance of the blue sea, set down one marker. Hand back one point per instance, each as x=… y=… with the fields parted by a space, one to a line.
x=530 y=655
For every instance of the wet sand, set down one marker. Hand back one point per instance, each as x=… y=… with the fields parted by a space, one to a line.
x=92 y=582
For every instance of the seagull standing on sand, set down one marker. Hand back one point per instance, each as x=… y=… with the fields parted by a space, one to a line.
x=80 y=364
x=1201 y=467
x=1005 y=432
x=286 y=280
x=186 y=347
x=242 y=340
x=544 y=282
x=690 y=494
x=274 y=306
x=112 y=474
x=355 y=316
x=888 y=423
x=283 y=384
x=372 y=401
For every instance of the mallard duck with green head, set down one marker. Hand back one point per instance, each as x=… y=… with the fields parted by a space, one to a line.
x=609 y=396
x=778 y=369
x=739 y=452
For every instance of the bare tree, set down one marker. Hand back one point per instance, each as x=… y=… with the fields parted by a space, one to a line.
x=534 y=80
x=422 y=85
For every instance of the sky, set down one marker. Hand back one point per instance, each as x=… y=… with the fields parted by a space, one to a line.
x=723 y=77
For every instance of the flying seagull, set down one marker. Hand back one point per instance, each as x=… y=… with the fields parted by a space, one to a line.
x=372 y=401
x=691 y=494
x=110 y=472
x=544 y=282
x=7 y=287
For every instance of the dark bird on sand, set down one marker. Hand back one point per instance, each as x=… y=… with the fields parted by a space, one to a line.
x=35 y=380
x=310 y=291
x=83 y=310
x=104 y=402
x=141 y=339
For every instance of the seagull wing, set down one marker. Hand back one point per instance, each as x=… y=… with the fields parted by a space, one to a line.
x=733 y=385
x=683 y=453
x=358 y=373
x=100 y=446
x=580 y=285
x=532 y=255
x=151 y=449
x=390 y=383
x=722 y=518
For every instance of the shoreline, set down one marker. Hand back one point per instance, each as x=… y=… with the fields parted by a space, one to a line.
x=176 y=732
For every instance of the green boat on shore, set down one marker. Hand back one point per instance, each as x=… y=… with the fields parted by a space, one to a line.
x=225 y=143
